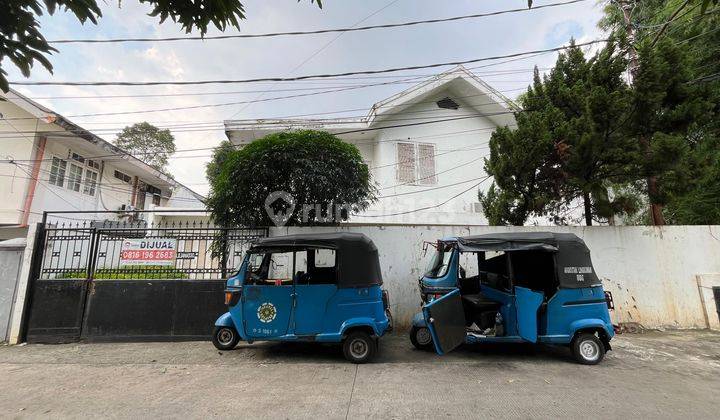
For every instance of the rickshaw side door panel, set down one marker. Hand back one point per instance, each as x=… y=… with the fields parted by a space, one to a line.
x=311 y=305
x=527 y=303
x=445 y=319
x=267 y=310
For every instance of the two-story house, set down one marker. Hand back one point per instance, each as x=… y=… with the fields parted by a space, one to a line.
x=48 y=163
x=425 y=147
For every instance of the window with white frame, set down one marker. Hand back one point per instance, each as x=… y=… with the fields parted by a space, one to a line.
x=75 y=173
x=90 y=183
x=57 y=172
x=416 y=163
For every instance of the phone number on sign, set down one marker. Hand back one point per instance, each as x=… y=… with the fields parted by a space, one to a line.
x=147 y=255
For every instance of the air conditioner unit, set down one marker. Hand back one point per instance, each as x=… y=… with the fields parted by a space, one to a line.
x=127 y=208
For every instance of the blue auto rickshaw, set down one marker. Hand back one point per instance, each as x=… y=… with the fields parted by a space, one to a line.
x=315 y=287
x=534 y=287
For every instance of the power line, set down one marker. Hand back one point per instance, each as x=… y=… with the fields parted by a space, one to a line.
x=118 y=187
x=300 y=95
x=299 y=89
x=120 y=155
x=290 y=124
x=434 y=175
x=314 y=76
x=186 y=123
x=669 y=21
x=115 y=187
x=362 y=130
x=428 y=207
x=182 y=108
x=431 y=189
x=314 y=54
x=48 y=188
x=279 y=120
x=315 y=32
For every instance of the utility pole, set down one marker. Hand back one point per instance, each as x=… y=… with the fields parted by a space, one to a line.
x=656 y=214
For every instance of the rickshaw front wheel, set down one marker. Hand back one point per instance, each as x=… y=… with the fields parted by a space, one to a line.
x=420 y=338
x=359 y=347
x=587 y=349
x=225 y=338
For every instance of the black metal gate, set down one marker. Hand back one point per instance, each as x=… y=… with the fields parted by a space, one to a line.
x=90 y=280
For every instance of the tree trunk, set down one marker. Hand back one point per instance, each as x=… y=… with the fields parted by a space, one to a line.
x=588 y=209
x=656 y=214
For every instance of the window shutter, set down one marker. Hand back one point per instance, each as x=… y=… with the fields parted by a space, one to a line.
x=406 y=162
x=426 y=164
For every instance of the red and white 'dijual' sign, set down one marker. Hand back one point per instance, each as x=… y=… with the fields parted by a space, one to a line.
x=155 y=251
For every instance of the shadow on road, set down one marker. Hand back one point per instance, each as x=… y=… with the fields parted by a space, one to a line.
x=397 y=349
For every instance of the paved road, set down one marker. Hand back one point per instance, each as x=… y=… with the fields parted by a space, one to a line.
x=652 y=375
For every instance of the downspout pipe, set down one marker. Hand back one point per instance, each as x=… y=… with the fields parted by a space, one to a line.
x=34 y=177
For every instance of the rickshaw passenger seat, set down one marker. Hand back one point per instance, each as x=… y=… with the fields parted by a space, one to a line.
x=323 y=275
x=481 y=303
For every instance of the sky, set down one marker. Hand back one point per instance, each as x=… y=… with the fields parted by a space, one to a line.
x=285 y=56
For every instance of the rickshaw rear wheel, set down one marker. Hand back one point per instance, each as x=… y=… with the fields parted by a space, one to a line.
x=420 y=338
x=225 y=338
x=587 y=349
x=359 y=347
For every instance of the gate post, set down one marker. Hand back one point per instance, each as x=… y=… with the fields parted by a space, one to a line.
x=29 y=272
x=90 y=275
x=92 y=254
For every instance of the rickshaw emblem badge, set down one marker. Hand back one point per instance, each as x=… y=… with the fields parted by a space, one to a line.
x=266 y=312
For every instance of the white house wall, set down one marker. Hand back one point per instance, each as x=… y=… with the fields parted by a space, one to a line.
x=457 y=142
x=182 y=198
x=52 y=197
x=18 y=142
x=111 y=193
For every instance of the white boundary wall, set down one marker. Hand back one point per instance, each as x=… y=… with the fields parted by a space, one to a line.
x=658 y=275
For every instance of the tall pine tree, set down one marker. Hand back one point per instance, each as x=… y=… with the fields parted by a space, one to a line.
x=569 y=146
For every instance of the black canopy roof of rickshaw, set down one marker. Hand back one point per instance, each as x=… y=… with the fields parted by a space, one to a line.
x=509 y=241
x=357 y=259
x=572 y=262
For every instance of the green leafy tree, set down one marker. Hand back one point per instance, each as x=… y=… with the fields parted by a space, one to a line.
x=676 y=97
x=568 y=146
x=219 y=156
x=22 y=42
x=314 y=167
x=523 y=164
x=148 y=143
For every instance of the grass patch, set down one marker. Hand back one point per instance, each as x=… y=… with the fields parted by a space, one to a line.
x=133 y=272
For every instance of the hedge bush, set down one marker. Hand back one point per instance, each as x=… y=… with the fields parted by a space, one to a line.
x=133 y=272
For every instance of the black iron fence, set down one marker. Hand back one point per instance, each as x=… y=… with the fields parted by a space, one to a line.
x=166 y=250
x=129 y=280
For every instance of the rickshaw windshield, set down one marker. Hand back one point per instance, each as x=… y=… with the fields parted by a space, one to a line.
x=439 y=261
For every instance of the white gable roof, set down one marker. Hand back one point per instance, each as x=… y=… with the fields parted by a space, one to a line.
x=464 y=85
